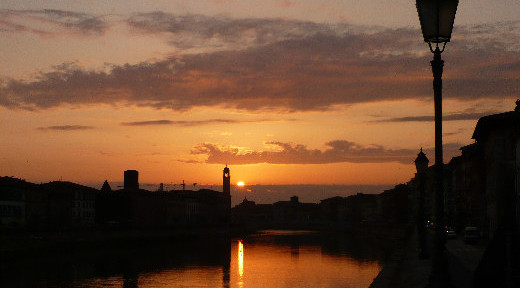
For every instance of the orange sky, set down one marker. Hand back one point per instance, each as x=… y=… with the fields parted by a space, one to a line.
x=287 y=92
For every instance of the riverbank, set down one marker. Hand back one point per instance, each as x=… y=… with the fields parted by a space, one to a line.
x=396 y=271
x=406 y=269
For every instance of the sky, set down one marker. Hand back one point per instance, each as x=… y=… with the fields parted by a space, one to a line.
x=283 y=92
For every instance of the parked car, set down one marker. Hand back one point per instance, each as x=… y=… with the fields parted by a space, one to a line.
x=471 y=235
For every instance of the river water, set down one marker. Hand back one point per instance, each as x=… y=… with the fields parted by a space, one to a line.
x=272 y=258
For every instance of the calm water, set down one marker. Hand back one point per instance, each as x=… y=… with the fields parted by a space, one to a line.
x=267 y=259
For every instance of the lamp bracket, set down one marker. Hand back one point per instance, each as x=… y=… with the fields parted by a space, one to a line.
x=436 y=46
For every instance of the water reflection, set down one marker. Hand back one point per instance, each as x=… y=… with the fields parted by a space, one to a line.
x=282 y=259
x=226 y=266
x=274 y=259
x=240 y=263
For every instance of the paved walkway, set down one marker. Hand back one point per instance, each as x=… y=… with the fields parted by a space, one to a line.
x=406 y=269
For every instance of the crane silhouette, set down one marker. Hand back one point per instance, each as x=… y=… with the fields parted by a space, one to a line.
x=183 y=184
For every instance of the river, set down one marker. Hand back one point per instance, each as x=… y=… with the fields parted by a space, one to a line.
x=271 y=258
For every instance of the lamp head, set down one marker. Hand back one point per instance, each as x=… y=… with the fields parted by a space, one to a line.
x=436 y=17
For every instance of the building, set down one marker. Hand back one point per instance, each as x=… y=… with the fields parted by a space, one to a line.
x=362 y=208
x=69 y=204
x=469 y=189
x=482 y=185
x=12 y=202
x=498 y=136
x=53 y=205
x=134 y=207
x=66 y=205
x=131 y=180
x=334 y=210
x=252 y=216
x=294 y=212
x=394 y=205
x=281 y=214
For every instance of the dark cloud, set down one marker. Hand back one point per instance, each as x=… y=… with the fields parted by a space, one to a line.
x=337 y=151
x=80 y=23
x=458 y=131
x=189 y=31
x=449 y=117
x=193 y=122
x=296 y=66
x=65 y=128
x=7 y=26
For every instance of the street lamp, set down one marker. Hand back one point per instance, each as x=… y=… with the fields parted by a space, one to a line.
x=437 y=17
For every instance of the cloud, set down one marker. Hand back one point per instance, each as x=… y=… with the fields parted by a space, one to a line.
x=337 y=151
x=458 y=131
x=45 y=21
x=194 y=122
x=152 y=154
x=218 y=32
x=65 y=128
x=281 y=65
x=109 y=153
x=431 y=118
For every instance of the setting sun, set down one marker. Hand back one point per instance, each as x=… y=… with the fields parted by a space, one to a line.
x=241 y=184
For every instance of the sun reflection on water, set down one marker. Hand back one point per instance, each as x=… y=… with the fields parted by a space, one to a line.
x=240 y=263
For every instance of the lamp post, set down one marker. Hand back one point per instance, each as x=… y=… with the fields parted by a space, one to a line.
x=436 y=18
x=421 y=164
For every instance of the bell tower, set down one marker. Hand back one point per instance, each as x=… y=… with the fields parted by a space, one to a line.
x=226 y=182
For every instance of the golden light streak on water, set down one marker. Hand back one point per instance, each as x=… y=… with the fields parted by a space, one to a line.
x=240 y=263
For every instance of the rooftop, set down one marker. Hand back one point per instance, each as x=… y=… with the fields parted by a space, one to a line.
x=492 y=122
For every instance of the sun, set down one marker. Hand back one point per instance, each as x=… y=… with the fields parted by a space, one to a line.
x=241 y=184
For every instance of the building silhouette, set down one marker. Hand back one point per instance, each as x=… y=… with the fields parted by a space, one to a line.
x=13 y=201
x=498 y=139
x=482 y=190
x=131 y=180
x=139 y=208
x=61 y=205
x=483 y=183
x=226 y=182
x=70 y=204
x=389 y=209
x=53 y=205
x=498 y=136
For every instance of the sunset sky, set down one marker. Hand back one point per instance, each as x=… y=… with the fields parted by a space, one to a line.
x=284 y=92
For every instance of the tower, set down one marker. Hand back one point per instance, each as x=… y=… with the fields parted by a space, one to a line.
x=226 y=182
x=131 y=180
x=421 y=162
x=106 y=187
